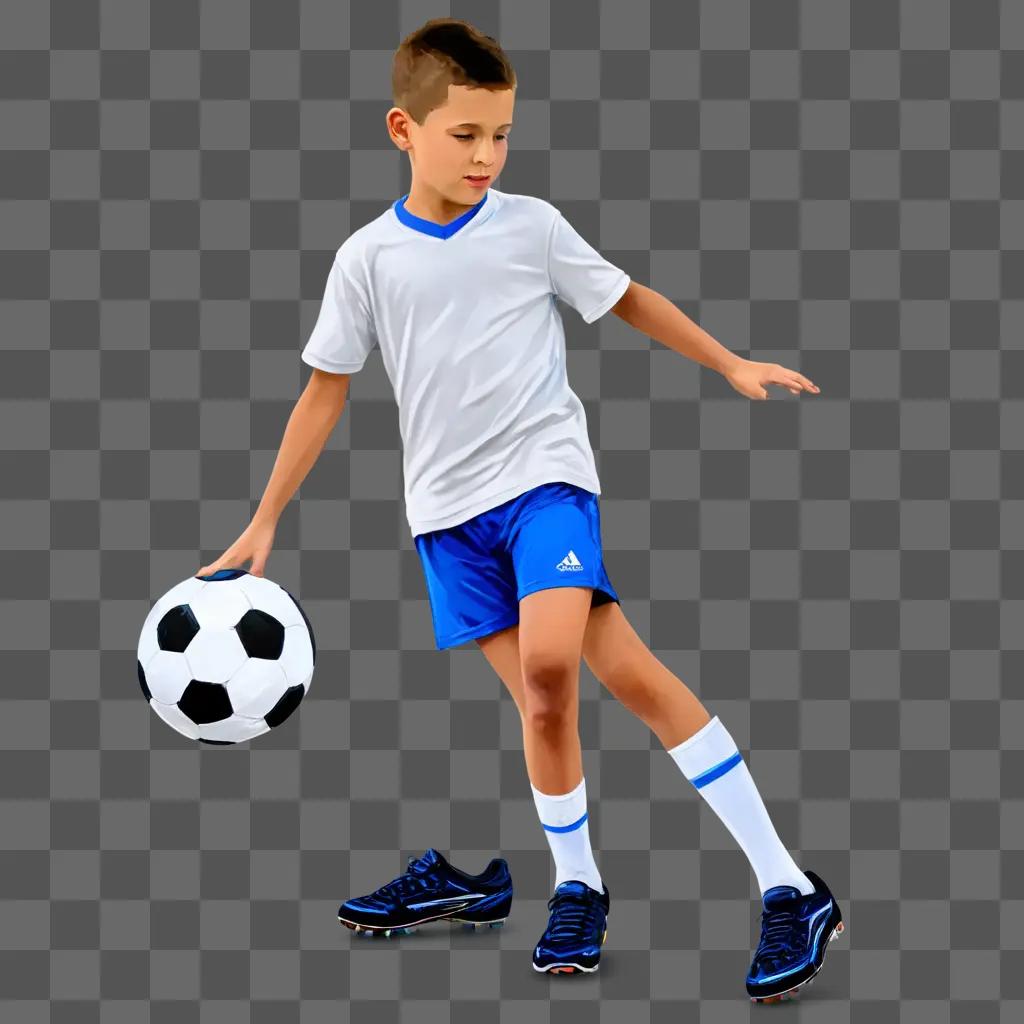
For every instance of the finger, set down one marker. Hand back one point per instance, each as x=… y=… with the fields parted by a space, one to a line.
x=783 y=382
x=792 y=382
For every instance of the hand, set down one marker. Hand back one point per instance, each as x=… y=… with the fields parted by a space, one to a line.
x=749 y=378
x=254 y=543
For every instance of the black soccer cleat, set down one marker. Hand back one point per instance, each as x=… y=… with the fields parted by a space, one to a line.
x=577 y=928
x=795 y=933
x=432 y=890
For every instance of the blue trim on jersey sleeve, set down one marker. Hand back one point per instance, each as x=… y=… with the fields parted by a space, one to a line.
x=428 y=227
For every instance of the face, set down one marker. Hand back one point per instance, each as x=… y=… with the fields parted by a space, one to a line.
x=467 y=135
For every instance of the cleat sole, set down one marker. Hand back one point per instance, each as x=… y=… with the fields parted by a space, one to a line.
x=370 y=932
x=565 y=969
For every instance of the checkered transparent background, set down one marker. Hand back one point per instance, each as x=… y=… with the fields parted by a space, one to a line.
x=835 y=186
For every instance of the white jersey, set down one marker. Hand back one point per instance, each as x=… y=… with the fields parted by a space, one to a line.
x=473 y=344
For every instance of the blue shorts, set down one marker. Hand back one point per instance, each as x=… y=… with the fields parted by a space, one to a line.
x=477 y=571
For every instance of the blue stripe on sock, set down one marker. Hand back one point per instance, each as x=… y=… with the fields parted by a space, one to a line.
x=566 y=828
x=719 y=769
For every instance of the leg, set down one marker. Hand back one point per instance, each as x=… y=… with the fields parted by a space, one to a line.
x=711 y=761
x=551 y=627
x=546 y=693
x=623 y=664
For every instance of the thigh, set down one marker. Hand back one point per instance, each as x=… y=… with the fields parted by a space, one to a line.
x=470 y=582
x=501 y=649
x=551 y=627
x=610 y=648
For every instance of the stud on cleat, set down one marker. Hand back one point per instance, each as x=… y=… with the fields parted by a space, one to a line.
x=476 y=926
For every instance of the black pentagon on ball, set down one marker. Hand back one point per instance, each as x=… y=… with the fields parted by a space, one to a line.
x=205 y=702
x=142 y=680
x=289 y=701
x=305 y=618
x=261 y=634
x=175 y=630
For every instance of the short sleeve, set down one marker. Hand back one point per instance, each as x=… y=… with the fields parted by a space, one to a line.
x=580 y=275
x=344 y=333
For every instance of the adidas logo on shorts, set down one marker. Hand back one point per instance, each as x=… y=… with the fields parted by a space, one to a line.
x=570 y=563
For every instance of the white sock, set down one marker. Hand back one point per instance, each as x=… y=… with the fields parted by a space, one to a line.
x=711 y=760
x=564 y=818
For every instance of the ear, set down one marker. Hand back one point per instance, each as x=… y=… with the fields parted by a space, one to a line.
x=397 y=121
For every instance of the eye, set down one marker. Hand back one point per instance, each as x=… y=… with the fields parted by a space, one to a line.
x=470 y=136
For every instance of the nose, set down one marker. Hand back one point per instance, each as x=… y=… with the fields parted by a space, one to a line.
x=485 y=154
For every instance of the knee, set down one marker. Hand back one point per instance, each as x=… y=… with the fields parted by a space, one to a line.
x=547 y=682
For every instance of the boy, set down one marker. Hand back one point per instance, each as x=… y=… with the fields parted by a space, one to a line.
x=456 y=281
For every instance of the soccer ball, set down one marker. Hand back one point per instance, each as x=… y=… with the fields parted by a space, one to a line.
x=226 y=657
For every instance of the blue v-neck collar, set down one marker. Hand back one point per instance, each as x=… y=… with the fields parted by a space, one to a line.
x=429 y=227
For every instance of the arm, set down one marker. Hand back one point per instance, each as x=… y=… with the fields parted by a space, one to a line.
x=661 y=319
x=310 y=424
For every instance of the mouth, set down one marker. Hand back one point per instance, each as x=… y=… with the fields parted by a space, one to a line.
x=478 y=179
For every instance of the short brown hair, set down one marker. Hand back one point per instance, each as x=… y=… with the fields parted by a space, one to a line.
x=443 y=52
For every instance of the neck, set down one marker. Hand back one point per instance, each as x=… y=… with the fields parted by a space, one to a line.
x=429 y=204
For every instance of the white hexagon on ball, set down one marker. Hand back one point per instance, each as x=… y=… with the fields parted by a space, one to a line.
x=215 y=654
x=236 y=729
x=219 y=607
x=297 y=657
x=257 y=687
x=176 y=719
x=167 y=675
